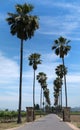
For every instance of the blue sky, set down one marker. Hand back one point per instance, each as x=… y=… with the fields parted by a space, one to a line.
x=57 y=18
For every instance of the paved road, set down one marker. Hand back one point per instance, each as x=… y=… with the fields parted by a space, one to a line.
x=49 y=122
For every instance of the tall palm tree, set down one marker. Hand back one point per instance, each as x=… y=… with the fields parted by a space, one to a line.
x=44 y=86
x=56 y=94
x=41 y=77
x=62 y=48
x=60 y=72
x=23 y=25
x=46 y=94
x=34 y=60
x=57 y=88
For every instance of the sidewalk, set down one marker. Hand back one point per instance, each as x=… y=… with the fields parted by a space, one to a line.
x=49 y=122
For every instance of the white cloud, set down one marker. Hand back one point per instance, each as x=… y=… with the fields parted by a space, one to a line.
x=9 y=76
x=71 y=6
x=9 y=70
x=73 y=78
x=49 y=57
x=59 y=25
x=63 y=24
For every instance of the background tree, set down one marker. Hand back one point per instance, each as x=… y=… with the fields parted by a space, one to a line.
x=62 y=48
x=34 y=60
x=60 y=72
x=37 y=107
x=57 y=88
x=46 y=95
x=41 y=77
x=22 y=24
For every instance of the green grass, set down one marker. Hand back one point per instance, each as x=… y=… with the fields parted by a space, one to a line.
x=75 y=113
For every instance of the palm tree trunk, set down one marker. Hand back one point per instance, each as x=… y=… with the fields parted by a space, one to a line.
x=41 y=101
x=20 y=83
x=34 y=96
x=61 y=97
x=65 y=84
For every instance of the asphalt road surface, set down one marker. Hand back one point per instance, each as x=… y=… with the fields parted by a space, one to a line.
x=49 y=122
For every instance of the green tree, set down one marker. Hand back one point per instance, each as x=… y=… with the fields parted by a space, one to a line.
x=62 y=48
x=34 y=60
x=60 y=72
x=37 y=107
x=23 y=25
x=46 y=95
x=41 y=77
x=57 y=88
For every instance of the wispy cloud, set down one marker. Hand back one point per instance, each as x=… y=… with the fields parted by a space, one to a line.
x=66 y=24
x=9 y=70
x=60 y=25
x=73 y=78
x=9 y=76
x=71 y=6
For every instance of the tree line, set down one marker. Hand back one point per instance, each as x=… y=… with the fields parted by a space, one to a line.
x=61 y=47
x=23 y=24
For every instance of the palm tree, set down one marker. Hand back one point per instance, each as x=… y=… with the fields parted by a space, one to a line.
x=46 y=94
x=60 y=72
x=57 y=88
x=23 y=25
x=44 y=86
x=34 y=60
x=41 y=77
x=56 y=94
x=47 y=99
x=62 y=48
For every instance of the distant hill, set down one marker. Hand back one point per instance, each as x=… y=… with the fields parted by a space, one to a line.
x=75 y=109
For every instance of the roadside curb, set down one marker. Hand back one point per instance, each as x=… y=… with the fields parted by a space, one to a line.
x=69 y=124
x=72 y=126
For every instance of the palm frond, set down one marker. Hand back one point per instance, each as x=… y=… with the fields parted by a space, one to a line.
x=25 y=23
x=57 y=51
x=53 y=47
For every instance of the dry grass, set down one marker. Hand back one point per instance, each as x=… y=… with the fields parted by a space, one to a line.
x=75 y=120
x=4 y=126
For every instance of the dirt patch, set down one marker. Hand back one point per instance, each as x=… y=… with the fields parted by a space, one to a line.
x=75 y=120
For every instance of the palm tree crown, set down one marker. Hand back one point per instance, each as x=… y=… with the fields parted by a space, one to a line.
x=41 y=77
x=34 y=60
x=22 y=23
x=61 y=70
x=61 y=46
